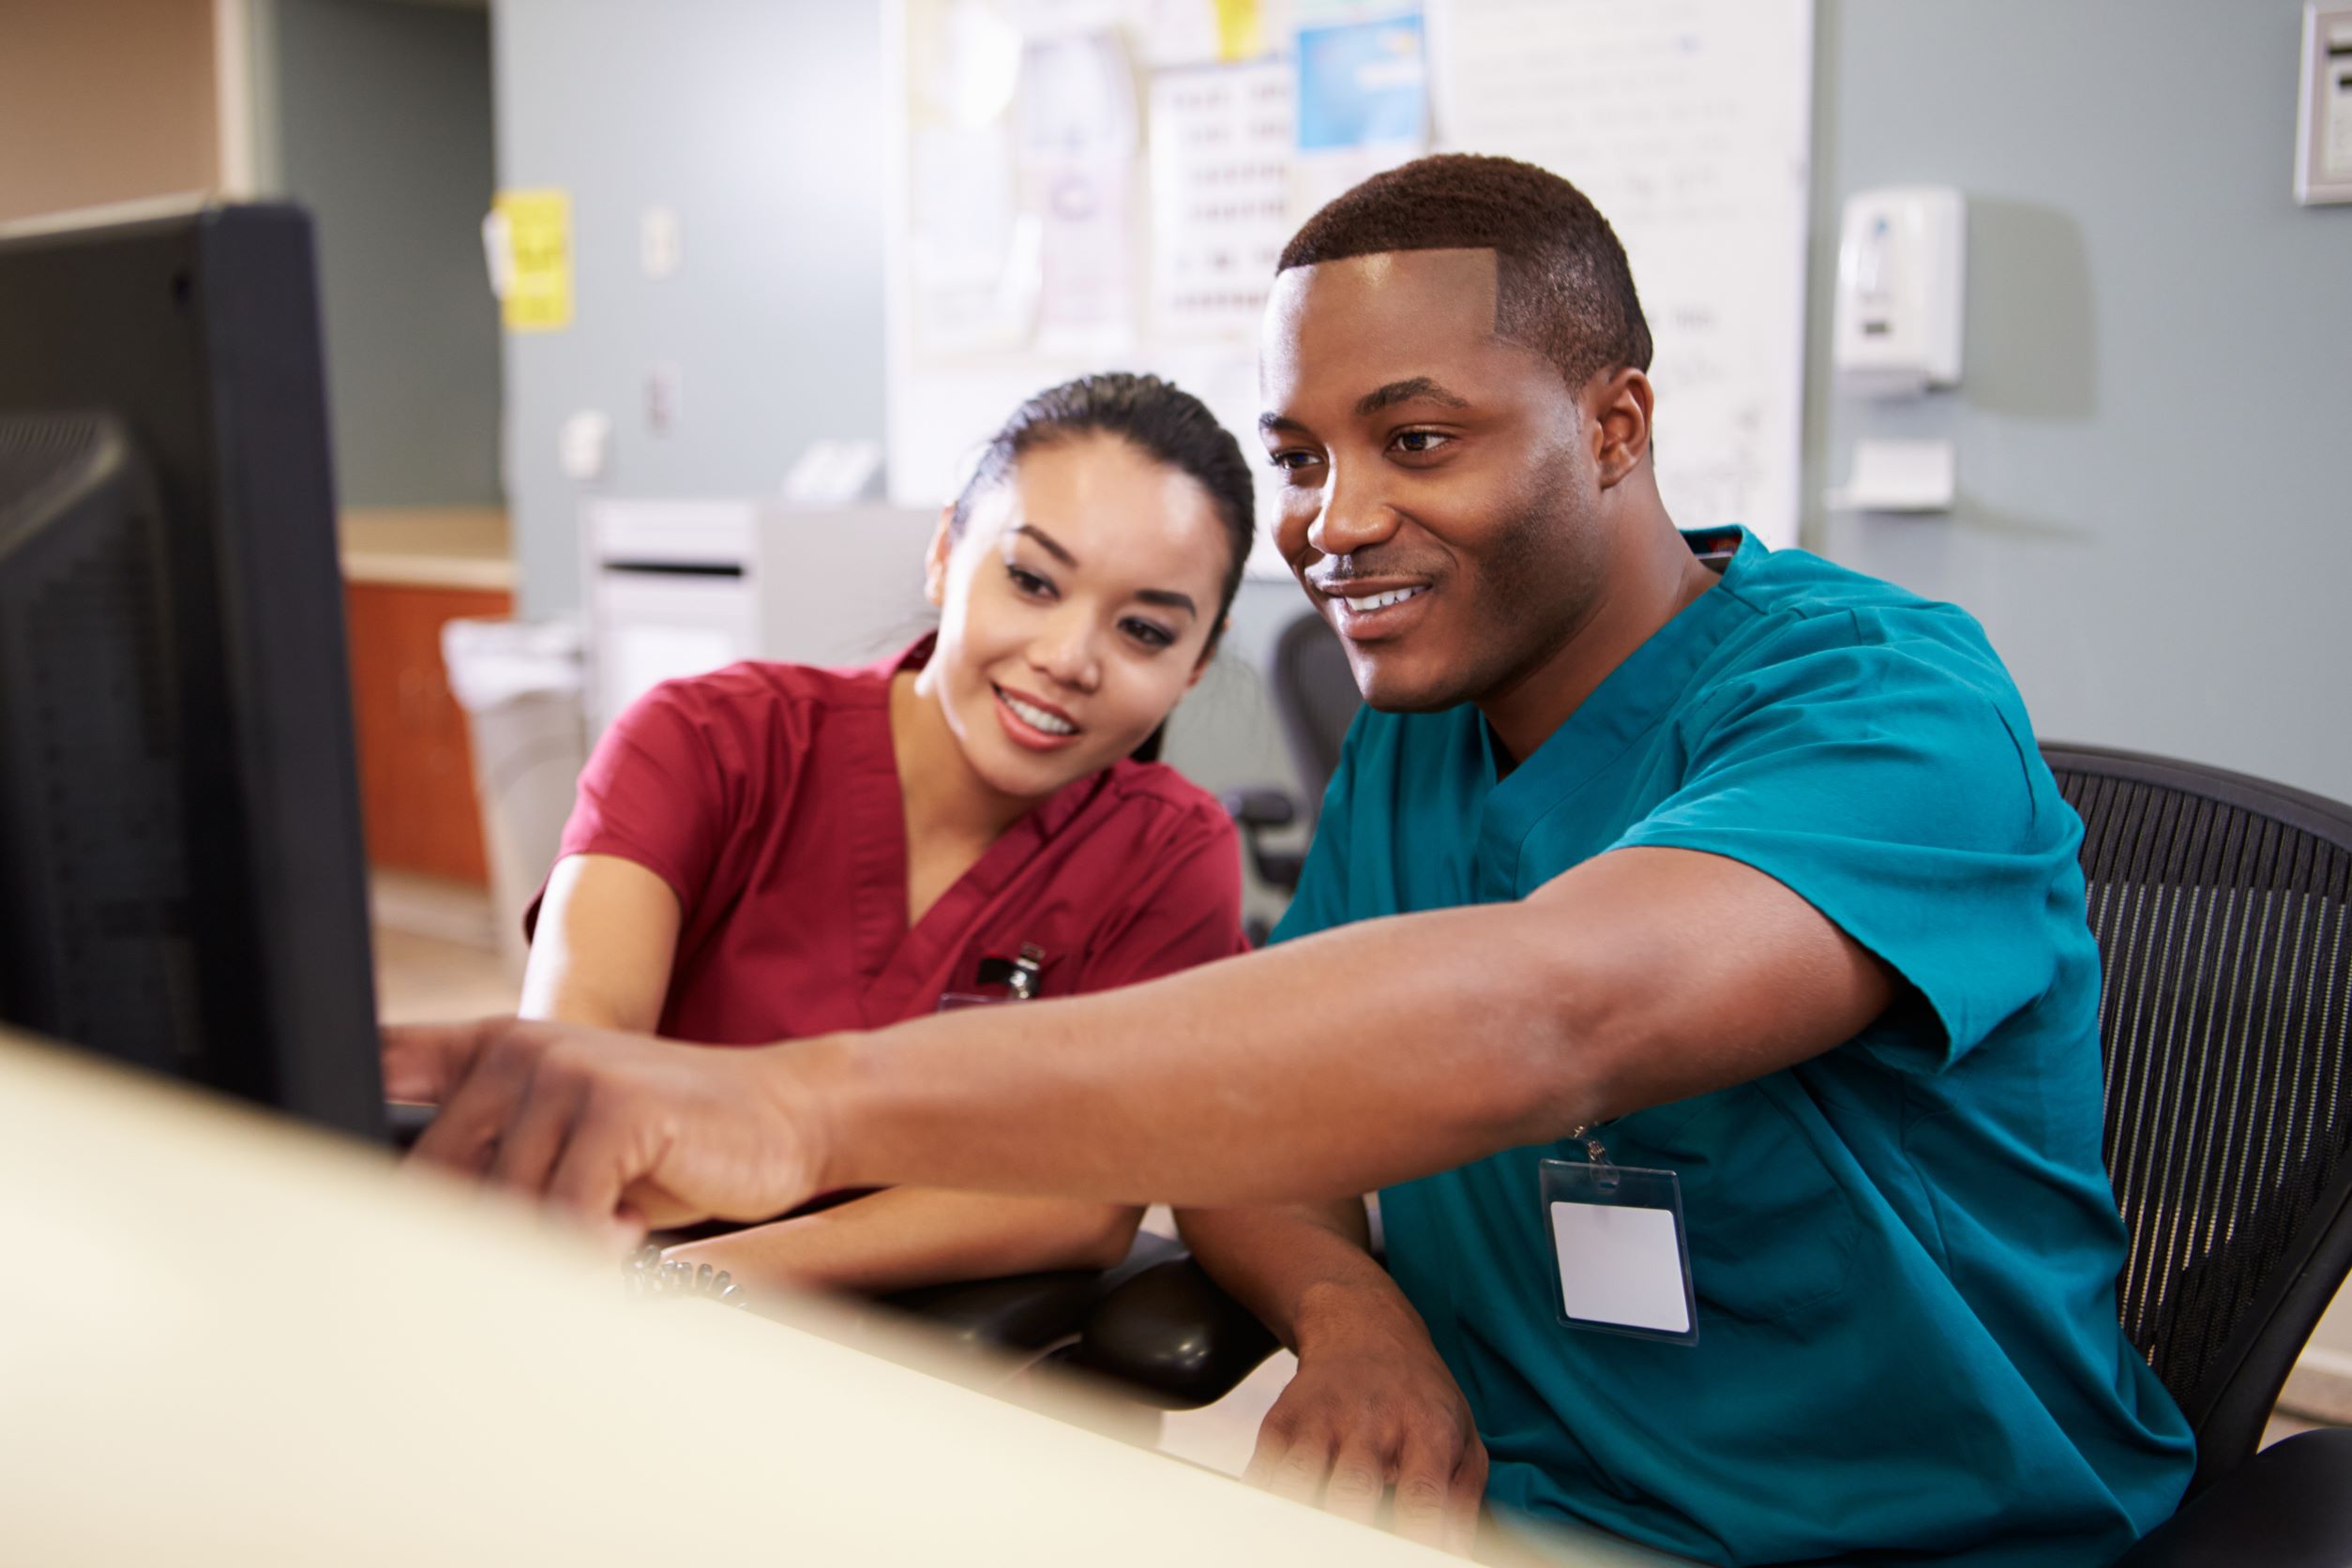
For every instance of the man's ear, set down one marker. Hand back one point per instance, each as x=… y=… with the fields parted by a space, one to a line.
x=935 y=560
x=1617 y=402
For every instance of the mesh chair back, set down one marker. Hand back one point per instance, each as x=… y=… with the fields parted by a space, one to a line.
x=1316 y=700
x=2221 y=905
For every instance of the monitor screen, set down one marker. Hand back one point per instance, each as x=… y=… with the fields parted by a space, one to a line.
x=181 y=874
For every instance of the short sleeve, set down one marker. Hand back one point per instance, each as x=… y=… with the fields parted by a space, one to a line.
x=1188 y=913
x=1321 y=900
x=1886 y=787
x=654 y=793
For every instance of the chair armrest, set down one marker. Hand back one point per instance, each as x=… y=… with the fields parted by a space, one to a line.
x=1172 y=1337
x=1028 y=1312
x=2289 y=1506
x=1256 y=811
x=1259 y=806
x=1018 y=1312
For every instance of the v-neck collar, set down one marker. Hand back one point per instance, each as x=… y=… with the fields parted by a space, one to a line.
x=893 y=954
x=1627 y=704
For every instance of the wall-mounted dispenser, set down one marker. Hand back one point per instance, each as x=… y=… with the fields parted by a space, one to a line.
x=1901 y=275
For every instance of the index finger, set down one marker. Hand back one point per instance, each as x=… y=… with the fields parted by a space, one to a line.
x=422 y=1061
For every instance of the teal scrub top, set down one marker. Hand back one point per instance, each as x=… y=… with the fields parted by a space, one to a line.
x=1904 y=1251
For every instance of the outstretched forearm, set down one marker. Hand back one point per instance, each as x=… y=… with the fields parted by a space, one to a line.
x=1365 y=1056
x=1324 y=1067
x=1330 y=1066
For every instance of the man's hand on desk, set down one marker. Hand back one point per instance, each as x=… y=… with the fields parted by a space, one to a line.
x=1373 y=1407
x=620 y=1130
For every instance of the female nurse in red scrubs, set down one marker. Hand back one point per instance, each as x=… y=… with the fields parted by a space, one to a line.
x=772 y=851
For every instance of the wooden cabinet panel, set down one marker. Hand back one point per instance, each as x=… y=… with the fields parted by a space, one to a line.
x=415 y=767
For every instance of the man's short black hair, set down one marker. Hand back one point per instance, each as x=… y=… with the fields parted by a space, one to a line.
x=1562 y=286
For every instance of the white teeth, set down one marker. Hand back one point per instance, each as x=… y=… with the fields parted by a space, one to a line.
x=1381 y=601
x=1036 y=717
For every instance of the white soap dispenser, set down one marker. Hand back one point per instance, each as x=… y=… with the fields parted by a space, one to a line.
x=1901 y=275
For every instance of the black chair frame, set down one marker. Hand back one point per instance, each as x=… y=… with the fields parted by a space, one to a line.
x=2151 y=822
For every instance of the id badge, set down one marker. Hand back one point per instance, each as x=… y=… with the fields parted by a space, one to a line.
x=1621 y=1261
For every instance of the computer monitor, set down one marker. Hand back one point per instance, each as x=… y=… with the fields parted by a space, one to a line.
x=181 y=873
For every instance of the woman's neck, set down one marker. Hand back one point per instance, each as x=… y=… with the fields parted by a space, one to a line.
x=947 y=802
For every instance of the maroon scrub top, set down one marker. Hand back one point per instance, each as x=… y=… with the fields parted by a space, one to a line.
x=766 y=795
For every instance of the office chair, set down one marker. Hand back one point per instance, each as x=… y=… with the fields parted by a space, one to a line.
x=2222 y=910
x=1315 y=700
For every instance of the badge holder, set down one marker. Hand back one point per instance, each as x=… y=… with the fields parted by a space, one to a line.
x=1620 y=1257
x=1018 y=977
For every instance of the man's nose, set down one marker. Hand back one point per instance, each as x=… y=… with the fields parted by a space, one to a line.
x=1354 y=516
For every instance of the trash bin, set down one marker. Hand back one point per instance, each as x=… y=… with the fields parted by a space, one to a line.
x=520 y=684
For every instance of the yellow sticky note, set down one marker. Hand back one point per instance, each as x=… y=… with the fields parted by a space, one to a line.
x=1241 y=35
x=539 y=246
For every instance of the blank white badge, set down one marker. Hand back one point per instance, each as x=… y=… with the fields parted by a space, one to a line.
x=1620 y=1267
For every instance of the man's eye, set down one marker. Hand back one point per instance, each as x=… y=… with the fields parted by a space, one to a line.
x=1420 y=443
x=1027 y=581
x=1292 y=459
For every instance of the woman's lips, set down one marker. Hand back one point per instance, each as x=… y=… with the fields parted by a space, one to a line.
x=1030 y=729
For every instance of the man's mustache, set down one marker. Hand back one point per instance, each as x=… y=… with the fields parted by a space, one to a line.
x=1335 y=572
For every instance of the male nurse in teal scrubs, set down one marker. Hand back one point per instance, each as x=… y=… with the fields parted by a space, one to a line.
x=1677 y=904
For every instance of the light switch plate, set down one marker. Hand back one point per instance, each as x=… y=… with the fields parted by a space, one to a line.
x=660 y=243
x=581 y=443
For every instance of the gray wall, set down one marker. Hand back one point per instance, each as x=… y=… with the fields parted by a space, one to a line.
x=2152 y=426
x=2155 y=414
x=377 y=117
x=759 y=122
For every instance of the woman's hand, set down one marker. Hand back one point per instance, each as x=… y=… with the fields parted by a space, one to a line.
x=625 y=1131
x=1373 y=1407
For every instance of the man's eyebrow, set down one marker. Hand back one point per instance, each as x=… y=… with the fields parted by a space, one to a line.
x=1046 y=542
x=1420 y=388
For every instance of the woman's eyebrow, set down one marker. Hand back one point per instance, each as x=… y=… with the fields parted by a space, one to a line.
x=1167 y=598
x=1046 y=542
x=1170 y=598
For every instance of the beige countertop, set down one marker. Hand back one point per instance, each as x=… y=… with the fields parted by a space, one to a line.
x=230 y=1340
x=428 y=546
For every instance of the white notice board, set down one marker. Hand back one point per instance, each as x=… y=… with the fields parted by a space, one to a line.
x=1689 y=124
x=1081 y=185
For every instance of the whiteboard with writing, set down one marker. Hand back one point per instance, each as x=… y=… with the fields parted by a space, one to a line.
x=1126 y=219
x=1689 y=124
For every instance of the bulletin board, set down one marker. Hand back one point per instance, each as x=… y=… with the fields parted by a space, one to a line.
x=1085 y=185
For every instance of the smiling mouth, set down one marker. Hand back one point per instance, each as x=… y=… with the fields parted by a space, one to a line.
x=1365 y=603
x=1368 y=614
x=1046 y=722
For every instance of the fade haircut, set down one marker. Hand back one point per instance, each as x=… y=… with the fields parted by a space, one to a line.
x=1561 y=285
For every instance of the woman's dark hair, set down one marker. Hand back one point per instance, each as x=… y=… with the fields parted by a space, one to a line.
x=1157 y=418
